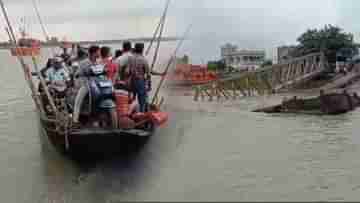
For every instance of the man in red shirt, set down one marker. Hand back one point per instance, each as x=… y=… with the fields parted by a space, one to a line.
x=110 y=67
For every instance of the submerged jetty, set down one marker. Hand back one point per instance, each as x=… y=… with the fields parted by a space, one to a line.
x=325 y=104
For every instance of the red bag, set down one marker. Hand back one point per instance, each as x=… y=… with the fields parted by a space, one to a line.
x=139 y=116
x=126 y=123
x=159 y=118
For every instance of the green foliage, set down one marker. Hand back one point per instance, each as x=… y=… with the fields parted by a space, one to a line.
x=330 y=40
x=216 y=65
x=267 y=63
x=183 y=60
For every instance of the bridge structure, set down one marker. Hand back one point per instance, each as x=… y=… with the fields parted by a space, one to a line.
x=267 y=80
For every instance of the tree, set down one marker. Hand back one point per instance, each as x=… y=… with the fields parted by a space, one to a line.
x=216 y=65
x=330 y=40
x=267 y=63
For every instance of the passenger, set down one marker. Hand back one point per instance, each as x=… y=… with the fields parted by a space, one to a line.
x=84 y=67
x=118 y=53
x=49 y=64
x=57 y=75
x=65 y=55
x=110 y=67
x=56 y=70
x=123 y=62
x=139 y=73
x=80 y=56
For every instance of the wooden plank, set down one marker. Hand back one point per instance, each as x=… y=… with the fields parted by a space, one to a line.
x=197 y=93
x=223 y=91
x=240 y=88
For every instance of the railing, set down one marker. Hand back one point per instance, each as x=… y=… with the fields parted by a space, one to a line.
x=267 y=80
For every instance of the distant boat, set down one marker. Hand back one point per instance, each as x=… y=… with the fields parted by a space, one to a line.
x=189 y=75
x=26 y=46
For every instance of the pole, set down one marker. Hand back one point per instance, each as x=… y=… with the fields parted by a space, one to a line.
x=169 y=64
x=12 y=37
x=42 y=81
x=154 y=36
x=40 y=21
x=159 y=27
x=46 y=35
x=160 y=35
x=26 y=70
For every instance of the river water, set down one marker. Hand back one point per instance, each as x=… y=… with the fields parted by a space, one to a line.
x=208 y=152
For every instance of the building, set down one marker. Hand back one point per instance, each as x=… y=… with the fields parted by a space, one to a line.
x=242 y=59
x=284 y=53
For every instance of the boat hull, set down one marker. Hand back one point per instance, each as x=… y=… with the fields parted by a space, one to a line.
x=189 y=83
x=25 y=51
x=91 y=143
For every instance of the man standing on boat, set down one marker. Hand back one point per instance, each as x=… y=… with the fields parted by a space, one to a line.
x=84 y=67
x=139 y=73
x=57 y=73
x=123 y=62
x=110 y=67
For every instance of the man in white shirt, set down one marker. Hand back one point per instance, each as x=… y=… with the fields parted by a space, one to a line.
x=123 y=62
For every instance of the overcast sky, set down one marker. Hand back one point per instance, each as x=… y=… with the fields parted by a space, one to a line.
x=251 y=24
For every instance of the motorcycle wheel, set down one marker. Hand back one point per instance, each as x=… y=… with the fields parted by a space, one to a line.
x=114 y=119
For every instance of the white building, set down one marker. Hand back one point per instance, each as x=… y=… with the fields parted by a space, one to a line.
x=242 y=59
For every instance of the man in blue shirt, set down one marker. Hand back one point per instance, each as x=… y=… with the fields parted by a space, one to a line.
x=57 y=74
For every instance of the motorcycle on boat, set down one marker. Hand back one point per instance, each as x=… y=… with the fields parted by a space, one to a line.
x=101 y=100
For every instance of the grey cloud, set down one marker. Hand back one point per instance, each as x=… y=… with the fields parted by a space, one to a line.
x=258 y=24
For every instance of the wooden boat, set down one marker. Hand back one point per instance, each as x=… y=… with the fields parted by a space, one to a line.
x=26 y=47
x=325 y=104
x=89 y=140
x=56 y=117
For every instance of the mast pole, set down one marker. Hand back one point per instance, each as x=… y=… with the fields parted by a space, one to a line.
x=154 y=36
x=40 y=21
x=169 y=64
x=42 y=80
x=160 y=35
x=46 y=35
x=25 y=67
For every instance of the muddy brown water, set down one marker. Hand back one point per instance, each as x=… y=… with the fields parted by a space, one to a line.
x=208 y=152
